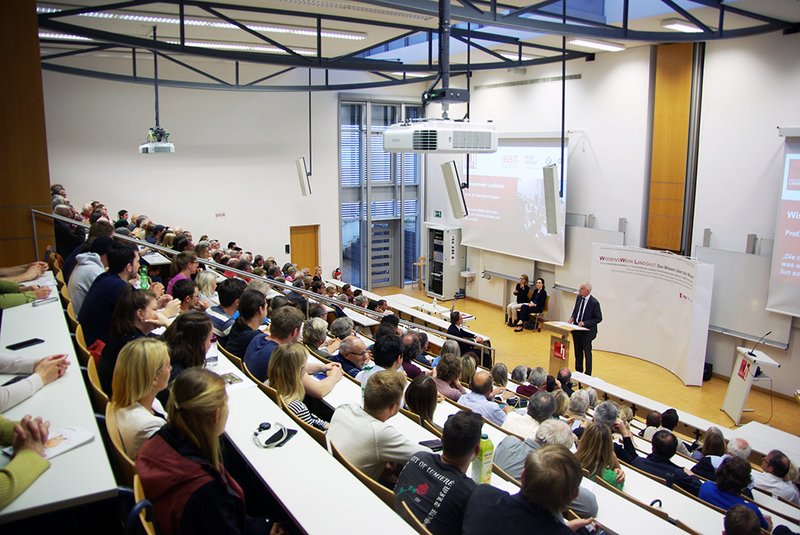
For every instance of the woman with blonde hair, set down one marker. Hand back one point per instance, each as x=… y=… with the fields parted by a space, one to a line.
x=181 y=465
x=167 y=240
x=207 y=285
x=286 y=369
x=142 y=371
x=468 y=367
x=596 y=454
x=562 y=403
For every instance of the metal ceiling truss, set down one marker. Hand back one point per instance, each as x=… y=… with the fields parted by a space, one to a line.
x=478 y=12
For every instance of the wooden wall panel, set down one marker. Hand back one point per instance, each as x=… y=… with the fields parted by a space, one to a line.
x=669 y=146
x=24 y=174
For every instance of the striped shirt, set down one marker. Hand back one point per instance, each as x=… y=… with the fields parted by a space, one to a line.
x=301 y=411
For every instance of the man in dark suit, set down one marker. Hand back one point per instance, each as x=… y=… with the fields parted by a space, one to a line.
x=585 y=314
x=455 y=329
x=658 y=462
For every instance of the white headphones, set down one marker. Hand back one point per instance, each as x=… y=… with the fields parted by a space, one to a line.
x=266 y=440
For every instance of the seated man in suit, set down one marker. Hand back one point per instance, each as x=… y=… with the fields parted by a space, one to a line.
x=658 y=462
x=455 y=329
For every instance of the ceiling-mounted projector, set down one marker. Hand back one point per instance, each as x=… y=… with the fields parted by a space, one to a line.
x=157 y=142
x=440 y=136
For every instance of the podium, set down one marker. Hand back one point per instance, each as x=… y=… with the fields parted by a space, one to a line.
x=559 y=344
x=742 y=377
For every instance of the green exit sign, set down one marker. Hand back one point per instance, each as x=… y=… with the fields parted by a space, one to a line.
x=437 y=213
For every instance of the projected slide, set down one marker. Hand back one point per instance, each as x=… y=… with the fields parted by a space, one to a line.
x=512 y=209
x=784 y=284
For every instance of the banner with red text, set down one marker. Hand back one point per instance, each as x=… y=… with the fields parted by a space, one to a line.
x=655 y=306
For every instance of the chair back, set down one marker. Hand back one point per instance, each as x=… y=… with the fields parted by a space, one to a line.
x=268 y=390
x=80 y=346
x=413 y=416
x=65 y=298
x=683 y=527
x=99 y=398
x=386 y=495
x=72 y=318
x=695 y=498
x=125 y=465
x=505 y=475
x=145 y=512
x=645 y=474
x=432 y=428
x=60 y=282
x=412 y=520
x=230 y=356
x=654 y=510
x=316 y=434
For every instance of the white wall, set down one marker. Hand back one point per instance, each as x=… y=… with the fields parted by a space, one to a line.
x=234 y=154
x=750 y=87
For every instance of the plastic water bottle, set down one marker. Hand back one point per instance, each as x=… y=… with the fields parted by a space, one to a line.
x=482 y=465
x=144 y=280
x=435 y=304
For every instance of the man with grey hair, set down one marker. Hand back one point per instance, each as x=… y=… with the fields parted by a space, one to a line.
x=520 y=375
x=586 y=314
x=540 y=408
x=536 y=379
x=511 y=453
x=341 y=328
x=353 y=354
x=707 y=466
x=361 y=300
x=579 y=404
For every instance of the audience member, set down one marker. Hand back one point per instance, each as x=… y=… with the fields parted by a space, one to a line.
x=362 y=435
x=658 y=462
x=189 y=339
x=184 y=267
x=181 y=465
x=707 y=466
x=12 y=294
x=387 y=354
x=436 y=487
x=134 y=316
x=341 y=328
x=776 y=465
x=23 y=272
x=540 y=408
x=536 y=381
x=596 y=455
x=424 y=357
x=578 y=405
x=669 y=419
x=741 y=520
x=500 y=374
x=550 y=482
x=565 y=378
x=286 y=370
x=68 y=235
x=713 y=444
x=449 y=347
x=142 y=371
x=455 y=329
x=733 y=476
x=186 y=293
x=28 y=437
x=229 y=292
x=252 y=312
x=352 y=355
x=520 y=375
x=411 y=350
x=561 y=400
x=88 y=266
x=421 y=398
x=100 y=301
x=207 y=288
x=446 y=376
x=480 y=399
x=284 y=329
x=41 y=372
x=468 y=367
x=314 y=335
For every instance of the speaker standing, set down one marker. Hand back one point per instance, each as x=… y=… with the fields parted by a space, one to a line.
x=585 y=314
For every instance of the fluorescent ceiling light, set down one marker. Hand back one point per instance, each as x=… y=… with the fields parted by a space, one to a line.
x=513 y=56
x=215 y=23
x=608 y=46
x=411 y=74
x=680 y=25
x=245 y=47
x=62 y=36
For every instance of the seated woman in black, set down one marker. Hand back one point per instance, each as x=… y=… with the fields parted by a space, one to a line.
x=134 y=316
x=252 y=311
x=181 y=465
x=536 y=306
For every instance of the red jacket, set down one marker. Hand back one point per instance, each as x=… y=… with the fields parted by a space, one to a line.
x=188 y=494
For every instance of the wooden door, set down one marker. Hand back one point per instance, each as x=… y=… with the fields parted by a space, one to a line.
x=304 y=246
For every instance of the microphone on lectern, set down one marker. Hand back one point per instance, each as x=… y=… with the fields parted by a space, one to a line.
x=752 y=351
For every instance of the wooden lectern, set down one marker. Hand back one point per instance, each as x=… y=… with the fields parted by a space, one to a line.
x=744 y=373
x=559 y=344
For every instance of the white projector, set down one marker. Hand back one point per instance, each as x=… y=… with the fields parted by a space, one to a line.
x=156 y=147
x=440 y=136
